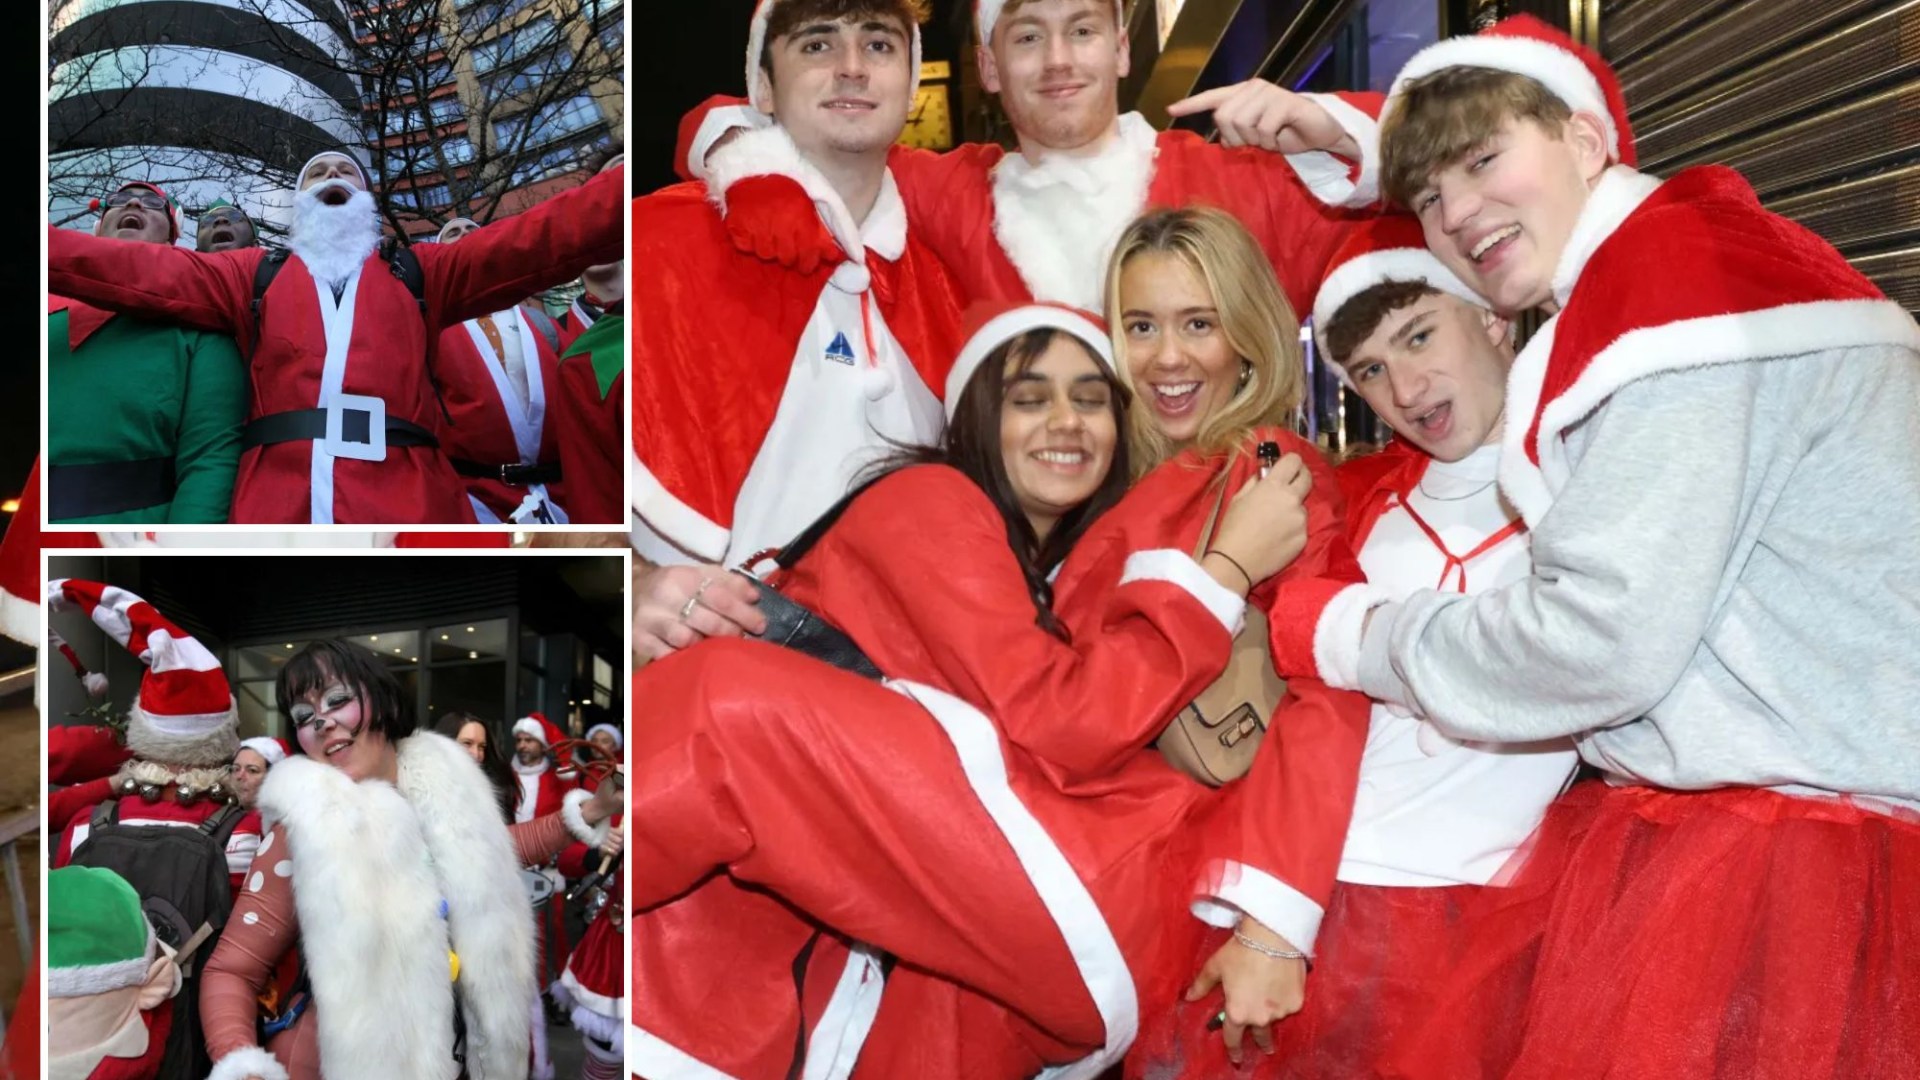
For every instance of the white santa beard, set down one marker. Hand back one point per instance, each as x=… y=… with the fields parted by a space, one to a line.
x=333 y=240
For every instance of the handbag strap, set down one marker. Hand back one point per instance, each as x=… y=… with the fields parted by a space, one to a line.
x=1219 y=500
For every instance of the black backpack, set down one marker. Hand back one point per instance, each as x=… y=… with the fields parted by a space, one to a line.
x=181 y=876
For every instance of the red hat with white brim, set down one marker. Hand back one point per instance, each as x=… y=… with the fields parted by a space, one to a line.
x=992 y=327
x=986 y=15
x=1524 y=45
x=1387 y=248
x=757 y=46
x=184 y=714
x=274 y=750
x=538 y=726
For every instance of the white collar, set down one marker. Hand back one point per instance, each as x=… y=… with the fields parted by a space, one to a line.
x=531 y=770
x=1619 y=193
x=1125 y=155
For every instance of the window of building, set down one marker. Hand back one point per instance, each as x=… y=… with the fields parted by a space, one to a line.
x=516 y=44
x=549 y=122
x=446 y=110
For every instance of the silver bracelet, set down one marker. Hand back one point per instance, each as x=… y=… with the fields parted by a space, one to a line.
x=1267 y=950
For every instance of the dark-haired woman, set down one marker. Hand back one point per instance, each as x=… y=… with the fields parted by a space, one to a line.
x=945 y=816
x=390 y=865
x=477 y=740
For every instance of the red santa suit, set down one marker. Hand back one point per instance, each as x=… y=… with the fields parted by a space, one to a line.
x=1011 y=230
x=543 y=785
x=1061 y=918
x=357 y=358
x=593 y=988
x=758 y=391
x=591 y=413
x=497 y=435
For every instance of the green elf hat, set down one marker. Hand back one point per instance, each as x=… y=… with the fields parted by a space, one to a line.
x=98 y=938
x=173 y=207
x=223 y=204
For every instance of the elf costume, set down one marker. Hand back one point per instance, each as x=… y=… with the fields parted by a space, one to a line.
x=109 y=980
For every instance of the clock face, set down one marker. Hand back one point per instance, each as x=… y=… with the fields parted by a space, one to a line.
x=929 y=123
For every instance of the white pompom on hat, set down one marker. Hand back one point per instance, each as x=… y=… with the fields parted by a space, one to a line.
x=757 y=46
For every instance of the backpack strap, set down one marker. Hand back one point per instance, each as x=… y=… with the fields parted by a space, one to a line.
x=406 y=266
x=220 y=826
x=105 y=813
x=543 y=325
x=264 y=272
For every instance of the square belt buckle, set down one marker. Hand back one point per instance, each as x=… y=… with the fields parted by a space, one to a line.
x=356 y=428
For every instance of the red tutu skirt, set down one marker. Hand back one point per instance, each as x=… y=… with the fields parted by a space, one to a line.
x=1736 y=933
x=1378 y=951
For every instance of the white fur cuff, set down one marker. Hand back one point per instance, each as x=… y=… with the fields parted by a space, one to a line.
x=577 y=823
x=248 y=1061
x=1178 y=568
x=716 y=124
x=1273 y=903
x=1336 y=638
x=1330 y=178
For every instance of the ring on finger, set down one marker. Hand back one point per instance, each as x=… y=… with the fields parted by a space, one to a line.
x=686 y=610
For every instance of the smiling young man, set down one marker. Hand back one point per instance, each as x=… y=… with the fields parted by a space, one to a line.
x=1715 y=441
x=343 y=417
x=1040 y=224
x=760 y=389
x=143 y=416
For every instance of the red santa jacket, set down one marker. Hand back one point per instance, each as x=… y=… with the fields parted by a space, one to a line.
x=590 y=422
x=550 y=791
x=715 y=336
x=1371 y=482
x=305 y=353
x=486 y=422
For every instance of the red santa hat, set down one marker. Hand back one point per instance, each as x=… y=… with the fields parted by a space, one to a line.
x=274 y=750
x=619 y=740
x=1391 y=247
x=991 y=326
x=173 y=208
x=986 y=14
x=184 y=714
x=538 y=726
x=1524 y=45
x=757 y=47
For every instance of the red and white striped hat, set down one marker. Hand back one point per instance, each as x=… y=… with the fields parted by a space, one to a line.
x=1391 y=247
x=1524 y=45
x=184 y=714
x=986 y=14
x=757 y=45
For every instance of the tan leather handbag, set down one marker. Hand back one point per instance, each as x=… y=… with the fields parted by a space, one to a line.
x=1214 y=739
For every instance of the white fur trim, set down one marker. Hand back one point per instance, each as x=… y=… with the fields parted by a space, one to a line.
x=527 y=725
x=209 y=740
x=20 y=619
x=386 y=855
x=70 y=982
x=1273 y=903
x=619 y=737
x=1363 y=272
x=986 y=14
x=266 y=748
x=357 y=167
x=834 y=1045
x=1178 y=568
x=1096 y=955
x=1619 y=192
x=576 y=823
x=757 y=44
x=652 y=1057
x=714 y=126
x=248 y=1061
x=1112 y=185
x=672 y=520
x=1011 y=324
x=1786 y=331
x=1336 y=636
x=1561 y=72
x=582 y=997
x=1331 y=179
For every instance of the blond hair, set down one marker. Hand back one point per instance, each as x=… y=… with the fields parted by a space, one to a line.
x=1254 y=315
x=1440 y=118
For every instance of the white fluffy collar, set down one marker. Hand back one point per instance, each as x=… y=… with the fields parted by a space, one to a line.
x=1059 y=219
x=770 y=152
x=536 y=769
x=1619 y=193
x=370 y=863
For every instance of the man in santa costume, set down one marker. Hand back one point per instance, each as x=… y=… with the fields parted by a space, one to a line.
x=1040 y=224
x=1715 y=442
x=542 y=784
x=111 y=983
x=143 y=414
x=343 y=415
x=497 y=374
x=825 y=361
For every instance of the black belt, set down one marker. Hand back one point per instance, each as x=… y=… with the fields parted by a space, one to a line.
x=303 y=425
x=512 y=472
x=110 y=487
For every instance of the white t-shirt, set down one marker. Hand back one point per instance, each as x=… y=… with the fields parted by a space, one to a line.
x=1431 y=811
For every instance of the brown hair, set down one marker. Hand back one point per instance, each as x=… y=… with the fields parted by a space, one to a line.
x=1359 y=317
x=1442 y=117
x=790 y=15
x=1254 y=315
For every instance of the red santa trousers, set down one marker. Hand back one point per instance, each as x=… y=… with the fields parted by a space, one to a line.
x=896 y=824
x=1652 y=933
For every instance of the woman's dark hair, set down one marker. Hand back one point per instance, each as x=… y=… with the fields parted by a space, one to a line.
x=972 y=445
x=386 y=709
x=493 y=763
